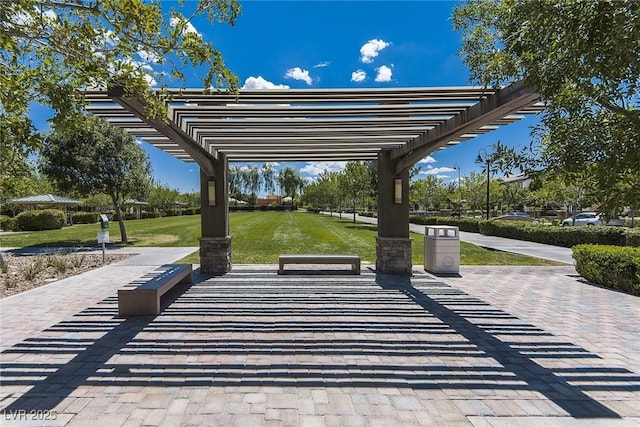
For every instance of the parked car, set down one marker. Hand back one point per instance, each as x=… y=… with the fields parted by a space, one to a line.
x=584 y=218
x=516 y=216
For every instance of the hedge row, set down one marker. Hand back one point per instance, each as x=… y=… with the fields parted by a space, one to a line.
x=37 y=220
x=610 y=266
x=551 y=235
x=84 y=217
x=554 y=235
x=464 y=224
x=7 y=223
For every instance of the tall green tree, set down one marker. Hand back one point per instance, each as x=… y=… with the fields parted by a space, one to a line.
x=268 y=178
x=18 y=141
x=53 y=50
x=162 y=196
x=252 y=181
x=427 y=192
x=290 y=181
x=98 y=158
x=355 y=184
x=584 y=59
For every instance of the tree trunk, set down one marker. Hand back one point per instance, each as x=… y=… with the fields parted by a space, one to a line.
x=123 y=231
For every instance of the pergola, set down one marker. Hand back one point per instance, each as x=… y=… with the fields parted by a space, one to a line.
x=396 y=127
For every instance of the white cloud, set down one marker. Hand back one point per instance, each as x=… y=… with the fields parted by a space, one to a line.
x=50 y=14
x=322 y=64
x=151 y=81
x=260 y=83
x=297 y=73
x=148 y=57
x=358 y=76
x=428 y=159
x=438 y=171
x=384 y=74
x=370 y=50
x=188 y=26
x=316 y=168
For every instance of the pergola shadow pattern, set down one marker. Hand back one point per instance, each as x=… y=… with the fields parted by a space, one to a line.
x=416 y=337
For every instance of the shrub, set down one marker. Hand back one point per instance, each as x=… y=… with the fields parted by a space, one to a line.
x=189 y=211
x=610 y=266
x=7 y=223
x=33 y=269
x=47 y=219
x=552 y=235
x=145 y=215
x=57 y=262
x=369 y=214
x=84 y=217
x=464 y=224
x=633 y=237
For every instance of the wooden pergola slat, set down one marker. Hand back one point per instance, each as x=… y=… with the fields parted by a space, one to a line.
x=318 y=124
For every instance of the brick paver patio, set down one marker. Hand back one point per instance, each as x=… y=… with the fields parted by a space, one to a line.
x=497 y=346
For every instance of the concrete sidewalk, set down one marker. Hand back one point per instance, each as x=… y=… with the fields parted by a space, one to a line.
x=539 y=250
x=497 y=346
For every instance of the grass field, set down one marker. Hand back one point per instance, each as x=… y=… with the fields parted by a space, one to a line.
x=259 y=237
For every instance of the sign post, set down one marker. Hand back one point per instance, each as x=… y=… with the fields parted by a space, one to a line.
x=103 y=235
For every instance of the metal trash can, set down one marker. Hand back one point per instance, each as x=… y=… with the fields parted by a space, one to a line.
x=442 y=249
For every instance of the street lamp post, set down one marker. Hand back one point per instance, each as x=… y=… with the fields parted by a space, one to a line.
x=486 y=160
x=456 y=166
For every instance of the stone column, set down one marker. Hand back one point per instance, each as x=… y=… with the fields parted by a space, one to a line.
x=215 y=255
x=393 y=245
x=215 y=243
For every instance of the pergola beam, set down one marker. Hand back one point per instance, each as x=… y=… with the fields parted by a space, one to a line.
x=505 y=101
x=207 y=162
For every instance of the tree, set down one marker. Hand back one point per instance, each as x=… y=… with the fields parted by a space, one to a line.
x=18 y=141
x=97 y=158
x=162 y=196
x=426 y=192
x=53 y=50
x=354 y=182
x=235 y=182
x=290 y=181
x=583 y=58
x=268 y=179
x=251 y=176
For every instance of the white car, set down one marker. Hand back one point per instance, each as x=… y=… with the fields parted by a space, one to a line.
x=584 y=218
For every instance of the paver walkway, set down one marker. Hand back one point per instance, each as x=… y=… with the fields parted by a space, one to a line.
x=497 y=346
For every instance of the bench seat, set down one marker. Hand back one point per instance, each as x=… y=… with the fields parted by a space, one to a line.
x=353 y=260
x=142 y=298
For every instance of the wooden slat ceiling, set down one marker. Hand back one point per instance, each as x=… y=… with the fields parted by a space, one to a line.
x=305 y=124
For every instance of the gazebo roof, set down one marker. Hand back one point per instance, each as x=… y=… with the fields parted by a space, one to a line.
x=44 y=199
x=134 y=202
x=318 y=124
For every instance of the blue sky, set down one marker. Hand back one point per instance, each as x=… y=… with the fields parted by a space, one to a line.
x=342 y=44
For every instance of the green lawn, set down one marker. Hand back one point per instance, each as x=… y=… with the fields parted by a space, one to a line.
x=259 y=237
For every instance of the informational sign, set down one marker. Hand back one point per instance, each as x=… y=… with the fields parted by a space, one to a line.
x=103 y=237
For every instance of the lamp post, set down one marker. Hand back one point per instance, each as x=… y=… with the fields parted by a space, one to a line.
x=457 y=166
x=486 y=159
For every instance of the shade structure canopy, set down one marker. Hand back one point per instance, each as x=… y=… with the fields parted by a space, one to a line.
x=318 y=124
x=45 y=199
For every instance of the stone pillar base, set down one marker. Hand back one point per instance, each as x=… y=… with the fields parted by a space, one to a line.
x=215 y=255
x=393 y=255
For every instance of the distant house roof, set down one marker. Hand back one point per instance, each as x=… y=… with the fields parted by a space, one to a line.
x=135 y=202
x=518 y=177
x=44 y=199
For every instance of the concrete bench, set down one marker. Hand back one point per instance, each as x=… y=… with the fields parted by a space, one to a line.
x=354 y=260
x=143 y=298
